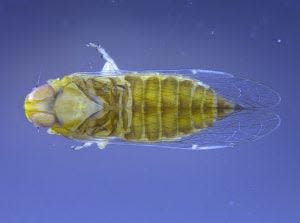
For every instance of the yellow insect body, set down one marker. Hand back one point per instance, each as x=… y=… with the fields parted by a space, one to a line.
x=190 y=108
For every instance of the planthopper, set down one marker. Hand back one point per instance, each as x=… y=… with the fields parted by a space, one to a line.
x=186 y=109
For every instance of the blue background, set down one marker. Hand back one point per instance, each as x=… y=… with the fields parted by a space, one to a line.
x=43 y=180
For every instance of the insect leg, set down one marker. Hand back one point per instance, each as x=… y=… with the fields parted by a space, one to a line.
x=85 y=145
x=101 y=144
x=110 y=65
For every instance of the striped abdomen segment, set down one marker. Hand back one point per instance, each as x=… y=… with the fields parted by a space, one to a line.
x=168 y=107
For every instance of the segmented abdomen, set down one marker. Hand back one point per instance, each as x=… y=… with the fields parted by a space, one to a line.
x=167 y=107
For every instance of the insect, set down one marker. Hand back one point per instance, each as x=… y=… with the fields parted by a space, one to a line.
x=187 y=108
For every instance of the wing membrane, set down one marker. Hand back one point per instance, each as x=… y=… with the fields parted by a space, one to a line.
x=244 y=126
x=243 y=91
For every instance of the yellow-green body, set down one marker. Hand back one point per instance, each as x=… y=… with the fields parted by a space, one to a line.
x=153 y=106
x=147 y=107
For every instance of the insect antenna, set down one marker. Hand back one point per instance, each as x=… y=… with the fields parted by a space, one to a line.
x=38 y=80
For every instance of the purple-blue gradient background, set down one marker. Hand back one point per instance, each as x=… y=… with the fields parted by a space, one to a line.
x=43 y=180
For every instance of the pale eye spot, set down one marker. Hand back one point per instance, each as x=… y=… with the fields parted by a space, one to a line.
x=43 y=119
x=41 y=93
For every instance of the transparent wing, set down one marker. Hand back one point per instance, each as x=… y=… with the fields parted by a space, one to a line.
x=241 y=127
x=243 y=91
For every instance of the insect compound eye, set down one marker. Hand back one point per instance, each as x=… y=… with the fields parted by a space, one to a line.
x=43 y=119
x=41 y=93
